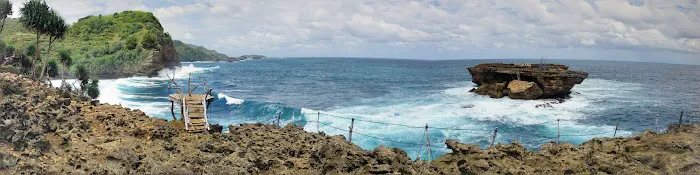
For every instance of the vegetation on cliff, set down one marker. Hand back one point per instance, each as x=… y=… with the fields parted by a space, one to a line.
x=121 y=44
x=191 y=52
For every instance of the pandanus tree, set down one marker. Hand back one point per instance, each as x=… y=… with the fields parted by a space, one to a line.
x=34 y=17
x=5 y=10
x=56 y=29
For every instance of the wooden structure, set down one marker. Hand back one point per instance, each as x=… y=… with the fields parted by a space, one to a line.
x=193 y=107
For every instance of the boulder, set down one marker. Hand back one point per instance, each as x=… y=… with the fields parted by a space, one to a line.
x=553 y=80
x=523 y=90
x=493 y=90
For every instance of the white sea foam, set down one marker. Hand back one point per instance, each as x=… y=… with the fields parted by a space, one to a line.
x=230 y=100
x=182 y=72
x=445 y=109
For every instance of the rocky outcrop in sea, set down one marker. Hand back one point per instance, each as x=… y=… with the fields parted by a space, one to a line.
x=44 y=130
x=525 y=81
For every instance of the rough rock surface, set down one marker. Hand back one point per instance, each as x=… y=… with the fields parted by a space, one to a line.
x=493 y=90
x=523 y=90
x=47 y=131
x=554 y=80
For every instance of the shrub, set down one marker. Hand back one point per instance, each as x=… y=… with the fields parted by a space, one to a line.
x=93 y=90
x=30 y=50
x=9 y=88
x=52 y=68
x=9 y=50
x=82 y=74
x=149 y=41
x=131 y=43
x=26 y=63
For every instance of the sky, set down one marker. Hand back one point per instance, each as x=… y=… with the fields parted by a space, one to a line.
x=625 y=30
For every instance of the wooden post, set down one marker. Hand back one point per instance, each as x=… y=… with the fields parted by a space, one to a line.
x=680 y=119
x=352 y=123
x=189 y=89
x=172 y=110
x=318 y=120
x=657 y=124
x=493 y=139
x=616 y=125
x=279 y=114
x=558 y=132
x=690 y=121
x=427 y=139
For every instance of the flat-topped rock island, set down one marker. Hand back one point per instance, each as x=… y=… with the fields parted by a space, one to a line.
x=525 y=81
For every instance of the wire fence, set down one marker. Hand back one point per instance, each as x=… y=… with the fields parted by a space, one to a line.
x=491 y=134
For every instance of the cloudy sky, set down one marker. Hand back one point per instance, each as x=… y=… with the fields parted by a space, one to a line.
x=632 y=30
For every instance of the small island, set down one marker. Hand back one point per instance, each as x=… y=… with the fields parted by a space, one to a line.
x=525 y=81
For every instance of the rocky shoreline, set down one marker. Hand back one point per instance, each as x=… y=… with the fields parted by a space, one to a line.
x=525 y=81
x=47 y=131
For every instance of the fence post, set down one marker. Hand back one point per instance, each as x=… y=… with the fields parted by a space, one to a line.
x=680 y=119
x=690 y=121
x=493 y=139
x=427 y=139
x=279 y=114
x=318 y=120
x=352 y=123
x=657 y=124
x=616 y=125
x=558 y=132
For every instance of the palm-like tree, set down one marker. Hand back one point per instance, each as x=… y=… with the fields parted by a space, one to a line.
x=56 y=29
x=34 y=17
x=5 y=10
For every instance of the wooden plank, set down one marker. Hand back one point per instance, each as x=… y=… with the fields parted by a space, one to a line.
x=198 y=121
x=196 y=110
x=193 y=97
x=195 y=127
x=195 y=115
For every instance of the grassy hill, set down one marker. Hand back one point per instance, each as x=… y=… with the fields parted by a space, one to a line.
x=190 y=52
x=118 y=45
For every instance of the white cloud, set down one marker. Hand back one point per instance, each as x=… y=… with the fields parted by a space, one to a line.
x=455 y=26
x=176 y=11
x=188 y=36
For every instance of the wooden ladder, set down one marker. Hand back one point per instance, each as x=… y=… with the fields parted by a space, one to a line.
x=195 y=114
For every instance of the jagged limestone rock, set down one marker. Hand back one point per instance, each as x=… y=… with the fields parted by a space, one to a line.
x=554 y=80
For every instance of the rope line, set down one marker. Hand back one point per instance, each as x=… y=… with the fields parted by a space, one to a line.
x=487 y=137
x=408 y=126
x=379 y=138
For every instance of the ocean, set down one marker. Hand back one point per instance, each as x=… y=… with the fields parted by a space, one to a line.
x=392 y=100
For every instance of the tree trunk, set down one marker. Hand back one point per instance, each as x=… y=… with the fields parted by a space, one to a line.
x=2 y=27
x=63 y=75
x=36 y=55
x=45 y=70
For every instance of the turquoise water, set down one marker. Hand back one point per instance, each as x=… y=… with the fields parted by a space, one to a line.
x=412 y=93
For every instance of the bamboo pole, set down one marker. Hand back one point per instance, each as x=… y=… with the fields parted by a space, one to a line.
x=680 y=119
x=352 y=123
x=616 y=126
x=427 y=140
x=495 y=133
x=558 y=132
